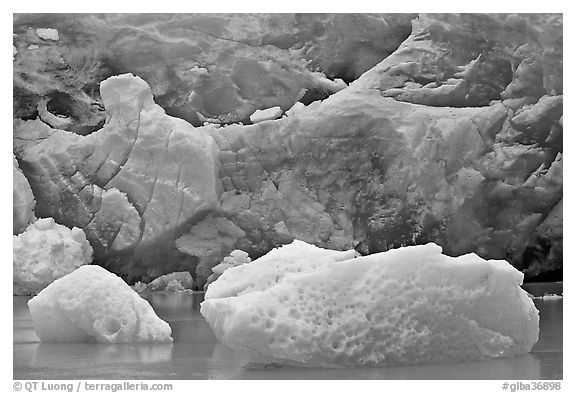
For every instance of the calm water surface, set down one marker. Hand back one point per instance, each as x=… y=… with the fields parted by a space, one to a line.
x=196 y=354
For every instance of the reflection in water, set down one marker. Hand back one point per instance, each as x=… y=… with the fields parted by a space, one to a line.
x=197 y=354
x=48 y=353
x=522 y=367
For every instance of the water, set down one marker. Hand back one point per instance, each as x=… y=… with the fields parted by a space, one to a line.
x=196 y=354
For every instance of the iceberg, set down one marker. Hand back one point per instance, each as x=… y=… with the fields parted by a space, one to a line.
x=406 y=306
x=45 y=252
x=92 y=304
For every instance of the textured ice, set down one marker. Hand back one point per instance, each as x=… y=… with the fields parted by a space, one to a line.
x=266 y=114
x=92 y=304
x=411 y=305
x=45 y=252
x=264 y=272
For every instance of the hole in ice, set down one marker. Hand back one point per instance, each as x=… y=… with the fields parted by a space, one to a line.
x=111 y=326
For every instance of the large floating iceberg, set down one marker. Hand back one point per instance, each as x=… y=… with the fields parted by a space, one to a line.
x=92 y=304
x=406 y=306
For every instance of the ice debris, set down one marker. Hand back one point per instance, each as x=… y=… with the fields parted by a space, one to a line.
x=48 y=34
x=172 y=282
x=92 y=304
x=45 y=252
x=548 y=296
x=332 y=86
x=236 y=258
x=411 y=305
x=297 y=107
x=266 y=114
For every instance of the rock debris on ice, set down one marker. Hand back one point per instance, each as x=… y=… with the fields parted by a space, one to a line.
x=406 y=306
x=92 y=304
x=45 y=252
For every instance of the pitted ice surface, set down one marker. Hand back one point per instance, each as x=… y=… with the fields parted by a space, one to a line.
x=411 y=305
x=92 y=304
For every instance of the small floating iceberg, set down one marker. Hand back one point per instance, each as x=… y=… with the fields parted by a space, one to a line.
x=45 y=252
x=92 y=304
x=313 y=307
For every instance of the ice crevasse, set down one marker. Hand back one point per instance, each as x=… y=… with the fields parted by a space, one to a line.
x=411 y=305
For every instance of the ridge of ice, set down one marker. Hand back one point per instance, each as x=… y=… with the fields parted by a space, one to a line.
x=264 y=272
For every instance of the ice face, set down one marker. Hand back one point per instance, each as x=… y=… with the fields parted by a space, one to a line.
x=22 y=200
x=92 y=304
x=406 y=306
x=45 y=252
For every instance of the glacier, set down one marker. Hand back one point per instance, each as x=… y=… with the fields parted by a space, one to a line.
x=92 y=304
x=306 y=306
x=22 y=200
